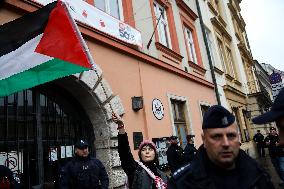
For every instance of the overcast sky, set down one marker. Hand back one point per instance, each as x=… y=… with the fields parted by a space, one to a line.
x=265 y=28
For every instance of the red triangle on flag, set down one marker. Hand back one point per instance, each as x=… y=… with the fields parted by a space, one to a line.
x=60 y=40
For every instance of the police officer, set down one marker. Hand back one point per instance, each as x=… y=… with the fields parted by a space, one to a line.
x=174 y=154
x=189 y=150
x=83 y=171
x=219 y=162
x=258 y=138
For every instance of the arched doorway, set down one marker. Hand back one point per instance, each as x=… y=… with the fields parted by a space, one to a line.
x=38 y=128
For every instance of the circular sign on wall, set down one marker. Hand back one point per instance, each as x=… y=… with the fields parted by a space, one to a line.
x=158 y=109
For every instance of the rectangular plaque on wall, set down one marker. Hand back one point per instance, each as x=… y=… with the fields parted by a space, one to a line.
x=137 y=139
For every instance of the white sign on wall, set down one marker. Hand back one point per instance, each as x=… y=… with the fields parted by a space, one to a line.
x=13 y=160
x=158 y=109
x=95 y=18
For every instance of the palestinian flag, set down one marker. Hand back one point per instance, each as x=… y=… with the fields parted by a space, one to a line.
x=40 y=47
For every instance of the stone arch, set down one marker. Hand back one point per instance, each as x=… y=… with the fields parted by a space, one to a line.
x=96 y=97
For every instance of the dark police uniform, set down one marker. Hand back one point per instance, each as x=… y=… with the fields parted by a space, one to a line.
x=189 y=152
x=84 y=172
x=175 y=156
x=202 y=173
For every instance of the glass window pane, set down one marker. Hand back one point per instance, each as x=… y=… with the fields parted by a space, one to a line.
x=114 y=8
x=100 y=4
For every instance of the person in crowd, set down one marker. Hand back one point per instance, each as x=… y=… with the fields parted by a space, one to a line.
x=7 y=180
x=175 y=155
x=219 y=162
x=142 y=174
x=83 y=171
x=275 y=152
x=189 y=150
x=258 y=138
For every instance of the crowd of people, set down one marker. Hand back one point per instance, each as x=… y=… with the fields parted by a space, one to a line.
x=218 y=163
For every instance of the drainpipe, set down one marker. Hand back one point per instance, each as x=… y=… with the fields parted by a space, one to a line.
x=208 y=53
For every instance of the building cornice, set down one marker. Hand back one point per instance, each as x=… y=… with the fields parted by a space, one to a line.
x=183 y=6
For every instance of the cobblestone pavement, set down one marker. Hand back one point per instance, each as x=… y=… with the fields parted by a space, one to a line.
x=266 y=163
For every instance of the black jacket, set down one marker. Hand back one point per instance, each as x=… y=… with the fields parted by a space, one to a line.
x=198 y=175
x=138 y=178
x=259 y=138
x=272 y=147
x=189 y=152
x=84 y=173
x=175 y=157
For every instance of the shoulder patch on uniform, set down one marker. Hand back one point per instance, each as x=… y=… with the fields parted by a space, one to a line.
x=181 y=171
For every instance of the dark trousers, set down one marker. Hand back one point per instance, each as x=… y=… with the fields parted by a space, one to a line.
x=260 y=150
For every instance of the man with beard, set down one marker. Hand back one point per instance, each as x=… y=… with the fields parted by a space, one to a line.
x=83 y=171
x=219 y=162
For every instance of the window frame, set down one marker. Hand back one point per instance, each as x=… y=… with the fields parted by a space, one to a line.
x=191 y=46
x=163 y=25
x=107 y=8
x=188 y=123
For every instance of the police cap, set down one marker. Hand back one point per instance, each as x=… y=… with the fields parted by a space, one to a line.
x=81 y=144
x=217 y=117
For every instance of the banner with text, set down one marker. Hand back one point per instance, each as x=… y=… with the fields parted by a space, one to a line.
x=95 y=18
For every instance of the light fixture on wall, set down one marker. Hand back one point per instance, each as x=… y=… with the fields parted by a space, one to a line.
x=137 y=103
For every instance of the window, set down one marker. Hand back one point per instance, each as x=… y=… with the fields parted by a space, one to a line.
x=178 y=108
x=221 y=51
x=190 y=45
x=112 y=7
x=163 y=28
x=236 y=114
x=230 y=62
x=204 y=109
x=210 y=44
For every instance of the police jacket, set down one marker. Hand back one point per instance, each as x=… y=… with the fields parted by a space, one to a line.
x=259 y=138
x=84 y=173
x=272 y=147
x=175 y=157
x=248 y=175
x=138 y=178
x=189 y=152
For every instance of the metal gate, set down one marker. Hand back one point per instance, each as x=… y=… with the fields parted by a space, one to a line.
x=38 y=128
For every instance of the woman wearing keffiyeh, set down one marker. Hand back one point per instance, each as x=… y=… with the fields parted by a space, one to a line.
x=143 y=174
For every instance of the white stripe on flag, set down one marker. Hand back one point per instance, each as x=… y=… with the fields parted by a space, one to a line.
x=22 y=59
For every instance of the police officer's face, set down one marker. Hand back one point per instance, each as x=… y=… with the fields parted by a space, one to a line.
x=222 y=145
x=82 y=152
x=147 y=154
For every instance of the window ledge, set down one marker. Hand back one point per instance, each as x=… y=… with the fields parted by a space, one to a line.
x=229 y=77
x=197 y=68
x=219 y=71
x=215 y=12
x=168 y=51
x=237 y=82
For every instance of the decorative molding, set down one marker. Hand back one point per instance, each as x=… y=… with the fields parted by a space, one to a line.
x=218 y=70
x=244 y=51
x=212 y=8
x=168 y=51
x=229 y=77
x=182 y=5
x=237 y=82
x=196 y=67
x=216 y=23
